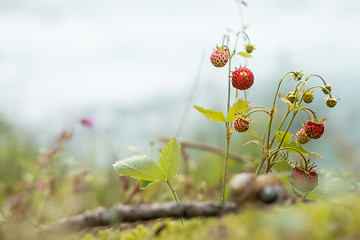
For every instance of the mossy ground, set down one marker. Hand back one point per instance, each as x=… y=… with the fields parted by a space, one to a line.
x=335 y=218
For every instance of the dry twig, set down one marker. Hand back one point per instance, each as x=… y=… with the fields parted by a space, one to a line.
x=210 y=148
x=126 y=213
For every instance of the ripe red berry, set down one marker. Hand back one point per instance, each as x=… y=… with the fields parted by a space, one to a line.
x=241 y=125
x=301 y=136
x=242 y=78
x=220 y=57
x=314 y=130
x=303 y=181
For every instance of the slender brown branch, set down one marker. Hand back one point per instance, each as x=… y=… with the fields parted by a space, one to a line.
x=127 y=213
x=210 y=148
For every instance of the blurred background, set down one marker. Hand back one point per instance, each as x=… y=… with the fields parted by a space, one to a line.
x=136 y=68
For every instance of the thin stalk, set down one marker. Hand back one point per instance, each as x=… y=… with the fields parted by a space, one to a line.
x=261 y=163
x=257 y=110
x=225 y=163
x=309 y=112
x=287 y=129
x=279 y=127
x=175 y=197
x=315 y=75
x=227 y=129
x=273 y=108
x=273 y=154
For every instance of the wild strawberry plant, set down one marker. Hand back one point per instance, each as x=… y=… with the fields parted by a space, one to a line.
x=150 y=171
x=276 y=143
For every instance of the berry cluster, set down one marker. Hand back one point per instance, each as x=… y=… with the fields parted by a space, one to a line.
x=304 y=177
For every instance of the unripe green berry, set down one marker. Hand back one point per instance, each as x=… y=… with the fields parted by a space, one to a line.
x=291 y=97
x=249 y=48
x=326 y=89
x=331 y=102
x=308 y=97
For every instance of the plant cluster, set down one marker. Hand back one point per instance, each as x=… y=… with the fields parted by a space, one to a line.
x=275 y=145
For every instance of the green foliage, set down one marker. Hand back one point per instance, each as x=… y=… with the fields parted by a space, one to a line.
x=169 y=159
x=211 y=114
x=244 y=54
x=147 y=170
x=280 y=135
x=141 y=167
x=236 y=110
x=328 y=219
x=297 y=146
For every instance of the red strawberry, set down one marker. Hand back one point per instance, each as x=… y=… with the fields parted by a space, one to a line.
x=220 y=57
x=242 y=78
x=303 y=181
x=301 y=136
x=314 y=129
x=241 y=125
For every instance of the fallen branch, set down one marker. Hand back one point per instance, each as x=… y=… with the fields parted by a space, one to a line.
x=126 y=213
x=210 y=148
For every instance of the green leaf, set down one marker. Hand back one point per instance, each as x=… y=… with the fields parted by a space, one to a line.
x=211 y=114
x=142 y=167
x=169 y=159
x=146 y=183
x=282 y=168
x=244 y=54
x=279 y=136
x=316 y=155
x=253 y=133
x=240 y=107
x=297 y=146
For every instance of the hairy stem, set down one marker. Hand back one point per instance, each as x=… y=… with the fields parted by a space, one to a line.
x=225 y=163
x=273 y=109
x=227 y=131
x=261 y=163
x=175 y=197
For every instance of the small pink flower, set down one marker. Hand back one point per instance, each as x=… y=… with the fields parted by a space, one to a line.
x=87 y=122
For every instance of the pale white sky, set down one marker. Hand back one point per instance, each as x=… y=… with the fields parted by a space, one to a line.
x=66 y=55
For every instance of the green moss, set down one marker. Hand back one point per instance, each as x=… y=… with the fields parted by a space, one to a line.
x=324 y=219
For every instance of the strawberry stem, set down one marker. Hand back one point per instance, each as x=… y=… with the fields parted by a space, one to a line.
x=273 y=154
x=273 y=108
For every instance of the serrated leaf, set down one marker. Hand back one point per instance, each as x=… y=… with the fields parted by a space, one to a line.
x=211 y=114
x=146 y=183
x=240 y=107
x=169 y=159
x=141 y=167
x=253 y=133
x=316 y=155
x=279 y=136
x=244 y=54
x=297 y=146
